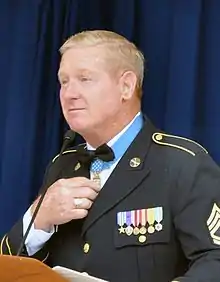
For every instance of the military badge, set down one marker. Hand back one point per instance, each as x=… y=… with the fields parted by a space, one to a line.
x=140 y=223
x=77 y=167
x=213 y=224
x=135 y=162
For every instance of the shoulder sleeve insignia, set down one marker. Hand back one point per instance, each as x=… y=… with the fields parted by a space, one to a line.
x=178 y=142
x=213 y=224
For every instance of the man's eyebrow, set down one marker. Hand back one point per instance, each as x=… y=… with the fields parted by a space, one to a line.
x=60 y=74
x=85 y=71
x=82 y=71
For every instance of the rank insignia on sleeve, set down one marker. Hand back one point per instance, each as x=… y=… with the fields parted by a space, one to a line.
x=213 y=224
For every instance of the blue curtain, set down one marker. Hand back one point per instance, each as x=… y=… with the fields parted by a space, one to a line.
x=180 y=40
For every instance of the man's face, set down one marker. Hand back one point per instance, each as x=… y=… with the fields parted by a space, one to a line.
x=90 y=93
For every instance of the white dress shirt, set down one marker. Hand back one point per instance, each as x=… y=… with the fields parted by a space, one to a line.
x=36 y=237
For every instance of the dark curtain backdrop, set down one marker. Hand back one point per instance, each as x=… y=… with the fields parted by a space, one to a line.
x=180 y=40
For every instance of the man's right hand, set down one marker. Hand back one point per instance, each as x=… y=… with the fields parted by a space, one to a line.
x=65 y=200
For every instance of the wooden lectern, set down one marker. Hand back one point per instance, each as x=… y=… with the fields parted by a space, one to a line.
x=24 y=269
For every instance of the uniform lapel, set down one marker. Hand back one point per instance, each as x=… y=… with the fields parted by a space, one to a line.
x=72 y=168
x=125 y=178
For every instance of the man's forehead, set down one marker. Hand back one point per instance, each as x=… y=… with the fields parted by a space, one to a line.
x=63 y=70
x=88 y=62
x=85 y=53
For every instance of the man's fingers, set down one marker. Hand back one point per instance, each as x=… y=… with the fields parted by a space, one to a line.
x=82 y=203
x=79 y=213
x=79 y=182
x=84 y=192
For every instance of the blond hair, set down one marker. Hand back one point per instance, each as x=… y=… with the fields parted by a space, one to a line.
x=126 y=54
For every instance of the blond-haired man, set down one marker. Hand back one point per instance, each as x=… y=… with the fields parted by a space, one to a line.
x=145 y=205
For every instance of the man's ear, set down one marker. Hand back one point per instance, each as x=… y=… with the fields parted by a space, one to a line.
x=128 y=83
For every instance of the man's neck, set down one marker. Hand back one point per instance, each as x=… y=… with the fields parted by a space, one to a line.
x=108 y=136
x=117 y=136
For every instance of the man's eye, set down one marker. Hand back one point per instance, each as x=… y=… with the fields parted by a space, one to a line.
x=63 y=81
x=84 y=78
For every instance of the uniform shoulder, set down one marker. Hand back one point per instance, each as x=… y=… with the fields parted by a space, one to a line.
x=178 y=143
x=71 y=150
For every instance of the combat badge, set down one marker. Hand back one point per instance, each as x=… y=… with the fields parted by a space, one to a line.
x=213 y=224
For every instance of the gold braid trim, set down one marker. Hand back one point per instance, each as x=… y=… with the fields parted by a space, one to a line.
x=8 y=246
x=45 y=257
x=65 y=152
x=1 y=246
x=158 y=136
x=68 y=151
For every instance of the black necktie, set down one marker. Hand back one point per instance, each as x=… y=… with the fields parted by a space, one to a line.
x=103 y=152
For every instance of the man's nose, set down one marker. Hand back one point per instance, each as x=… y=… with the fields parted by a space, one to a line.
x=71 y=91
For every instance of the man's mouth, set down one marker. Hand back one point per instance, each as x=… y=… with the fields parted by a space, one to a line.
x=76 y=109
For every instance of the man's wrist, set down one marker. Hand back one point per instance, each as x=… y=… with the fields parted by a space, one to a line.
x=43 y=226
x=39 y=222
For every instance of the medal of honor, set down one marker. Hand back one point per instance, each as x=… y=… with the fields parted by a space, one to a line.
x=97 y=178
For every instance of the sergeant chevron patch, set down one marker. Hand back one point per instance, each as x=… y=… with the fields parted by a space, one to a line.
x=213 y=224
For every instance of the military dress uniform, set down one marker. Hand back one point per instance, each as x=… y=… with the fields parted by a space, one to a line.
x=156 y=219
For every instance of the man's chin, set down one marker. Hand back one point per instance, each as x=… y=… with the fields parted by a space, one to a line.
x=80 y=128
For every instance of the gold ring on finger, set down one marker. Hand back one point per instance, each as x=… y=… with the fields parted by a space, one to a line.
x=77 y=202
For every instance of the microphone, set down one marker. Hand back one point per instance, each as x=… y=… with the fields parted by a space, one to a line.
x=67 y=140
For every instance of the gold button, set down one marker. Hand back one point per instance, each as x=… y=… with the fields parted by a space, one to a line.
x=159 y=137
x=86 y=248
